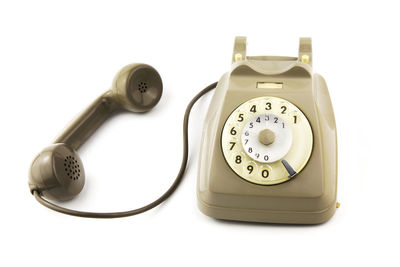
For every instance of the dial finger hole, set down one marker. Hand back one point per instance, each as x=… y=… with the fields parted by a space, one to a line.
x=295 y=117
x=265 y=172
x=233 y=145
x=250 y=168
x=238 y=158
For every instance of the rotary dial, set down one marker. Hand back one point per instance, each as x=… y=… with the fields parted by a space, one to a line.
x=267 y=140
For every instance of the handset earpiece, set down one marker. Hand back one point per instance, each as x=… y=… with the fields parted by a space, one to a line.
x=138 y=87
x=57 y=173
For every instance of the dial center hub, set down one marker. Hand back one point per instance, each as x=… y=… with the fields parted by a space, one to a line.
x=266 y=137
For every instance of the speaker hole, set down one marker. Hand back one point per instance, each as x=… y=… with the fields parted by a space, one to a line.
x=72 y=168
x=142 y=87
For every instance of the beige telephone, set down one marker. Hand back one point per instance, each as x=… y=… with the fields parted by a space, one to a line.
x=269 y=149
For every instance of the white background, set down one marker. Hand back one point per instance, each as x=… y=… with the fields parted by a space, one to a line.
x=56 y=58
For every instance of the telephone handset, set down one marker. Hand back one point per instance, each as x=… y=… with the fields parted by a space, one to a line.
x=268 y=149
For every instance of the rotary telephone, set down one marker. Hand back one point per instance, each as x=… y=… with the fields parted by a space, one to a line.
x=269 y=148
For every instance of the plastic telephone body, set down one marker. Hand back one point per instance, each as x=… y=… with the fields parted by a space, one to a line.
x=307 y=198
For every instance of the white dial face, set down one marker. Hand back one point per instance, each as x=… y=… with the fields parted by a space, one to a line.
x=278 y=130
x=267 y=140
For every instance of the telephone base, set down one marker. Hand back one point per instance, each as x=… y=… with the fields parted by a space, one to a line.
x=234 y=183
x=266 y=216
